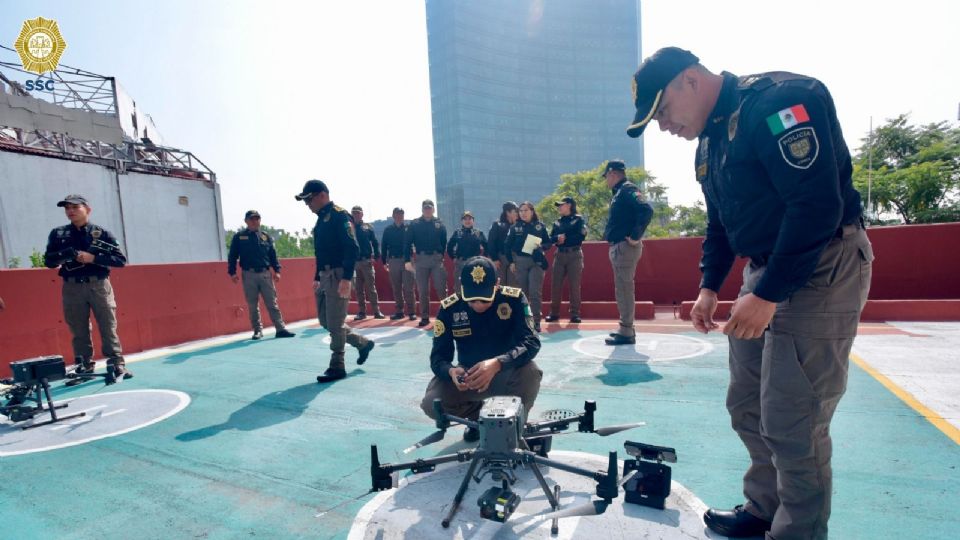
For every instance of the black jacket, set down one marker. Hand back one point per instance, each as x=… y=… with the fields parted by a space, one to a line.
x=392 y=243
x=496 y=239
x=254 y=250
x=466 y=243
x=629 y=213
x=518 y=235
x=573 y=227
x=63 y=239
x=335 y=240
x=367 y=241
x=427 y=236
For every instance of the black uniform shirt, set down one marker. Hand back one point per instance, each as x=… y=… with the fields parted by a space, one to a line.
x=776 y=175
x=496 y=239
x=255 y=251
x=427 y=236
x=466 y=243
x=513 y=246
x=80 y=239
x=504 y=331
x=573 y=227
x=334 y=240
x=629 y=213
x=367 y=241
x=393 y=241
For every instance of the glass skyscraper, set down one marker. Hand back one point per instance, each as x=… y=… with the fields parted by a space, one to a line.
x=523 y=91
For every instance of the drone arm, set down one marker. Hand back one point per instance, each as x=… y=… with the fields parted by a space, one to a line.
x=427 y=465
x=464 y=421
x=596 y=475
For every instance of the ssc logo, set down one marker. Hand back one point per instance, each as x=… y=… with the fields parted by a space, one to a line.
x=40 y=45
x=800 y=147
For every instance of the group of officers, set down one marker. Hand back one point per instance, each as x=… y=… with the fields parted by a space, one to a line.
x=776 y=175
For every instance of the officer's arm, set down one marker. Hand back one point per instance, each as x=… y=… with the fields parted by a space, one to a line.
x=441 y=355
x=493 y=244
x=808 y=186
x=555 y=231
x=546 y=242
x=274 y=262
x=508 y=245
x=233 y=255
x=376 y=245
x=643 y=213
x=383 y=253
x=51 y=255
x=408 y=243
x=483 y=244
x=443 y=238
x=578 y=231
x=717 y=258
x=524 y=341
x=115 y=257
x=452 y=246
x=348 y=239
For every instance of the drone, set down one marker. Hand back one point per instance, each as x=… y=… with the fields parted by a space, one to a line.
x=508 y=443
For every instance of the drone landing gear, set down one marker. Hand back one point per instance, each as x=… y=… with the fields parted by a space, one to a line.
x=18 y=410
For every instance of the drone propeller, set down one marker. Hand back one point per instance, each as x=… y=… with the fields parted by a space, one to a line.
x=603 y=431
x=593 y=508
x=429 y=439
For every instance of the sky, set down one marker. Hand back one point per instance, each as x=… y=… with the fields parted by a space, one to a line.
x=269 y=95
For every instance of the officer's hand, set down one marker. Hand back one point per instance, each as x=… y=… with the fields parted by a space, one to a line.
x=561 y=238
x=235 y=278
x=343 y=289
x=84 y=257
x=749 y=317
x=276 y=277
x=456 y=372
x=316 y=285
x=702 y=313
x=2 y=305
x=496 y=264
x=633 y=242
x=513 y=268
x=480 y=375
x=408 y=266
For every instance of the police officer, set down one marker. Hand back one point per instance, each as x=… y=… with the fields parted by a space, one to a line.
x=364 y=273
x=776 y=174
x=498 y=235
x=568 y=234
x=527 y=258
x=401 y=279
x=628 y=219
x=466 y=243
x=254 y=248
x=335 y=247
x=425 y=242
x=85 y=253
x=492 y=331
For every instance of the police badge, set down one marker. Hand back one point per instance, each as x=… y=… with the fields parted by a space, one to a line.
x=800 y=147
x=504 y=311
x=732 y=124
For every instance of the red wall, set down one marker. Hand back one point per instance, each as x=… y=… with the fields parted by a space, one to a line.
x=160 y=305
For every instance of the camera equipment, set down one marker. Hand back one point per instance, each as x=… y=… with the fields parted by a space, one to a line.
x=29 y=378
x=507 y=444
x=63 y=256
x=67 y=257
x=647 y=483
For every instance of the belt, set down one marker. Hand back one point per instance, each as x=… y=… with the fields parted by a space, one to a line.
x=256 y=270
x=327 y=268
x=84 y=279
x=427 y=252
x=843 y=230
x=562 y=249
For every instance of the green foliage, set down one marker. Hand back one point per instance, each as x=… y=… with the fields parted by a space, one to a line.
x=297 y=244
x=593 y=196
x=916 y=170
x=36 y=259
x=13 y=262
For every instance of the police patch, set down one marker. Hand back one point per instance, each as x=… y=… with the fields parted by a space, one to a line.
x=350 y=232
x=504 y=311
x=732 y=124
x=263 y=237
x=95 y=233
x=437 y=224
x=800 y=147
x=438 y=328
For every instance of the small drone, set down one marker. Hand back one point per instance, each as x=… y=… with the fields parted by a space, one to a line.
x=508 y=443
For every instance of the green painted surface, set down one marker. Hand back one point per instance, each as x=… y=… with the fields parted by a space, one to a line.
x=263 y=451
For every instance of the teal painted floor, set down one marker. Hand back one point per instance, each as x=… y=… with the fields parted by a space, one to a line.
x=264 y=452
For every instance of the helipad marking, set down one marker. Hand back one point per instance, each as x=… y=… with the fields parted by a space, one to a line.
x=648 y=348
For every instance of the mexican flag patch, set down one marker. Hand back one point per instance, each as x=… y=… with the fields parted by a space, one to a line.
x=787 y=118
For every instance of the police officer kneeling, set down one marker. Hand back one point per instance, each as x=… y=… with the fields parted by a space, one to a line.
x=492 y=328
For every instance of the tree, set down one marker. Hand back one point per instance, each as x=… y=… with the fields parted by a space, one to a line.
x=298 y=244
x=915 y=170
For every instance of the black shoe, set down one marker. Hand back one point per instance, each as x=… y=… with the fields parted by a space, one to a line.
x=285 y=333
x=576 y=319
x=85 y=369
x=117 y=373
x=257 y=334
x=423 y=322
x=471 y=434
x=360 y=316
x=736 y=523
x=379 y=315
x=412 y=317
x=536 y=328
x=620 y=339
x=365 y=352
x=331 y=375
x=551 y=318
x=396 y=316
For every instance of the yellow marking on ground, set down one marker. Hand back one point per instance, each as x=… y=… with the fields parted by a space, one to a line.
x=938 y=421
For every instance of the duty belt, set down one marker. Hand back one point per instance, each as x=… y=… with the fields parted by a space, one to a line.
x=84 y=279
x=255 y=270
x=563 y=249
x=427 y=252
x=843 y=230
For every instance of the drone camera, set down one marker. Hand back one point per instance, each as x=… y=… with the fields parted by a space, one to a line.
x=651 y=452
x=498 y=503
x=650 y=484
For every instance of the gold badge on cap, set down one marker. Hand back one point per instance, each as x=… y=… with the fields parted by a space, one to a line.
x=478 y=274
x=40 y=45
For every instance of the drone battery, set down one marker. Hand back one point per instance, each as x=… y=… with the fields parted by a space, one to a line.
x=650 y=486
x=32 y=370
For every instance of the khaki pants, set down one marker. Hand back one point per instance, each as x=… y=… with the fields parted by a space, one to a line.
x=79 y=299
x=364 y=277
x=430 y=267
x=785 y=386
x=567 y=264
x=530 y=280
x=332 y=311
x=624 y=259
x=401 y=279
x=523 y=383
x=507 y=277
x=255 y=285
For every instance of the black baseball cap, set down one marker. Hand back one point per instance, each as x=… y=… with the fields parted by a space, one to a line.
x=251 y=213
x=650 y=80
x=565 y=200
x=72 y=199
x=510 y=205
x=426 y=203
x=478 y=280
x=398 y=210
x=466 y=214
x=614 y=165
x=312 y=187
x=357 y=209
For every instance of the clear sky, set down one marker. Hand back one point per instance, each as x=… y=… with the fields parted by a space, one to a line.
x=270 y=94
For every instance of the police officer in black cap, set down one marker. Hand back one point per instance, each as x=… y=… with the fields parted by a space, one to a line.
x=568 y=234
x=401 y=279
x=626 y=223
x=335 y=247
x=490 y=328
x=776 y=174
x=465 y=243
x=365 y=275
x=424 y=245
x=496 y=242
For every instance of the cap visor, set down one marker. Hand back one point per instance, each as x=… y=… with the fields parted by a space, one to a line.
x=478 y=294
x=644 y=115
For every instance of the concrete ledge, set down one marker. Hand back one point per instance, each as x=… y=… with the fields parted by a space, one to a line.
x=588 y=310
x=875 y=310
